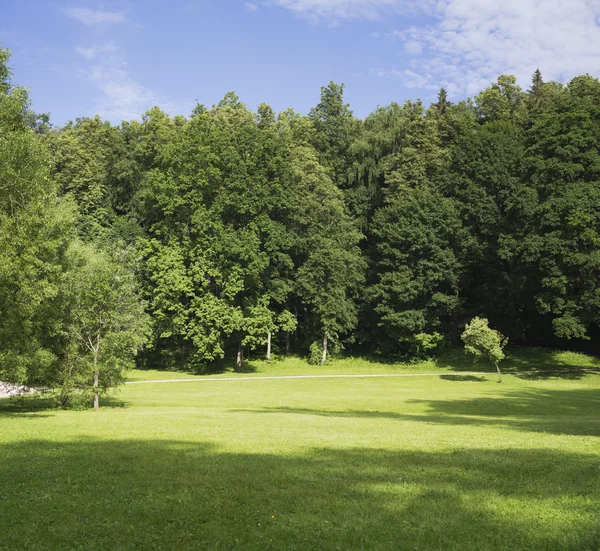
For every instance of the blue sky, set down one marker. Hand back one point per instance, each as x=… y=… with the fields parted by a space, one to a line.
x=119 y=58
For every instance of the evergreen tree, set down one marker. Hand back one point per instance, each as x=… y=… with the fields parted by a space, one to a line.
x=335 y=130
x=535 y=95
x=443 y=103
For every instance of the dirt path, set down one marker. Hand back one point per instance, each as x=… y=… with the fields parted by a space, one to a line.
x=280 y=377
x=8 y=390
x=356 y=376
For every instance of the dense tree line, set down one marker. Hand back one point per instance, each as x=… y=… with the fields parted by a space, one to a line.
x=244 y=232
x=70 y=315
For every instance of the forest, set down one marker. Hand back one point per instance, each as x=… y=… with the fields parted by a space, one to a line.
x=193 y=242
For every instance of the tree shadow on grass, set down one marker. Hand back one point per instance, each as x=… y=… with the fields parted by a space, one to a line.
x=573 y=412
x=464 y=378
x=32 y=407
x=365 y=414
x=567 y=412
x=531 y=403
x=130 y=494
x=572 y=374
x=526 y=363
x=218 y=367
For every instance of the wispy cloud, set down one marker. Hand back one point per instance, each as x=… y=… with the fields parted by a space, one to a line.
x=123 y=98
x=335 y=10
x=409 y=78
x=465 y=44
x=95 y=17
x=94 y=51
x=250 y=7
x=470 y=42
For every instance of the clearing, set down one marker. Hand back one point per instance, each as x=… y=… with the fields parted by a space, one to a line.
x=455 y=461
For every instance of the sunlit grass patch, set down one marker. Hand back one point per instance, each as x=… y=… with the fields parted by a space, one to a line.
x=443 y=462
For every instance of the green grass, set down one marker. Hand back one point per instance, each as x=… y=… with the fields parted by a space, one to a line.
x=450 y=462
x=523 y=361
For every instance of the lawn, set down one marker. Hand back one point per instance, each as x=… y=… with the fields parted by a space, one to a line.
x=453 y=461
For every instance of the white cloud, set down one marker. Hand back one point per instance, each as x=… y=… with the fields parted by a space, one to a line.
x=409 y=78
x=251 y=7
x=471 y=42
x=318 y=10
x=466 y=44
x=94 y=17
x=123 y=98
x=95 y=51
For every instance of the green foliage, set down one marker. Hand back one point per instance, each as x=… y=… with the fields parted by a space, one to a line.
x=335 y=127
x=484 y=342
x=240 y=228
x=107 y=322
x=287 y=321
x=418 y=261
x=503 y=100
x=59 y=301
x=399 y=147
x=218 y=265
x=5 y=71
x=330 y=267
x=426 y=343
x=35 y=232
x=257 y=325
x=315 y=353
x=554 y=247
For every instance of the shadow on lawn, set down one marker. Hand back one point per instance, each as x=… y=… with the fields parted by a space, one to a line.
x=570 y=412
x=180 y=495
x=32 y=407
x=526 y=363
x=531 y=403
x=463 y=378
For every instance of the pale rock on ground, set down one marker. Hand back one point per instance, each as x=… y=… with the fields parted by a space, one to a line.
x=7 y=389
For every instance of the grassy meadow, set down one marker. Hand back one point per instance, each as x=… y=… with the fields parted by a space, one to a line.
x=451 y=461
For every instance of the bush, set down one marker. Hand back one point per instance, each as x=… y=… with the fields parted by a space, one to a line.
x=315 y=353
x=425 y=343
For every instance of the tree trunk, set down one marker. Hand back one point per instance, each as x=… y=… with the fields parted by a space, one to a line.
x=239 y=363
x=96 y=383
x=269 y=347
x=499 y=374
x=324 y=358
x=287 y=343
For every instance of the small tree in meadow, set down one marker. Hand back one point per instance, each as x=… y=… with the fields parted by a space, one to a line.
x=108 y=322
x=482 y=341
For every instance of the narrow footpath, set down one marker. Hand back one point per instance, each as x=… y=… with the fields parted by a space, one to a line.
x=354 y=376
